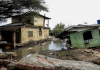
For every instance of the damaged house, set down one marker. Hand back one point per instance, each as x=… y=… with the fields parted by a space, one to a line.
x=82 y=36
x=21 y=32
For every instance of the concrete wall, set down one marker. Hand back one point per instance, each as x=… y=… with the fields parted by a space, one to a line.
x=36 y=20
x=39 y=21
x=77 y=39
x=46 y=33
x=15 y=19
x=24 y=34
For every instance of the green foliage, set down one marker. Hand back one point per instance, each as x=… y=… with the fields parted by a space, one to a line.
x=9 y=8
x=51 y=32
x=57 y=29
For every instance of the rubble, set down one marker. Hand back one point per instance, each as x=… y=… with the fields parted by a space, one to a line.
x=32 y=42
x=87 y=55
x=6 y=55
x=40 y=60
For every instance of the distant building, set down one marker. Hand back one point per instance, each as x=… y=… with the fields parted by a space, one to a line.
x=23 y=29
x=84 y=36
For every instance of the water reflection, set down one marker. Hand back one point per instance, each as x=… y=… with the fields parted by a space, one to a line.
x=57 y=45
x=24 y=51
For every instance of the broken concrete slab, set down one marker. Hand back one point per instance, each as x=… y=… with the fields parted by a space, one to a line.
x=53 y=62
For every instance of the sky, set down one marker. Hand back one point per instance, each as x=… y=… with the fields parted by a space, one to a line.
x=73 y=12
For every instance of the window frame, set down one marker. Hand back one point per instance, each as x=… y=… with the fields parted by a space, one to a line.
x=30 y=33
x=87 y=35
x=40 y=32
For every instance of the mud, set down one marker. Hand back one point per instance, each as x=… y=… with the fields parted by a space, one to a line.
x=87 y=55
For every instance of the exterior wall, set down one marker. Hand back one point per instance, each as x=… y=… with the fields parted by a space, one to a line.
x=46 y=33
x=24 y=34
x=15 y=19
x=36 y=20
x=77 y=39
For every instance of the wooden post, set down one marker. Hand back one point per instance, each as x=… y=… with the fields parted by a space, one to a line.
x=14 y=39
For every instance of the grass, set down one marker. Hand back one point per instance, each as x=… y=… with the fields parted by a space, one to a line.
x=63 y=54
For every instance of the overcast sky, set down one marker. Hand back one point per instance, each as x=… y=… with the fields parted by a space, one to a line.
x=73 y=12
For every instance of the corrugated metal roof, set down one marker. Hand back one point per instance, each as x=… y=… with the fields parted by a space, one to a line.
x=67 y=32
x=81 y=26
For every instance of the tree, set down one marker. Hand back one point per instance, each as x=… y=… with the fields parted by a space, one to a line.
x=9 y=8
x=51 y=33
x=58 y=29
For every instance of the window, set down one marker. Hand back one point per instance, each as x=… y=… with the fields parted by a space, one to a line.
x=30 y=33
x=40 y=31
x=87 y=35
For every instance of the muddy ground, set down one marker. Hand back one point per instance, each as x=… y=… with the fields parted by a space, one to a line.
x=82 y=57
x=88 y=55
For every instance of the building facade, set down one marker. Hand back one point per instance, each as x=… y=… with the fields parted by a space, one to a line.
x=82 y=36
x=86 y=39
x=24 y=28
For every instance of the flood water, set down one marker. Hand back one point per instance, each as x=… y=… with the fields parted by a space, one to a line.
x=24 y=51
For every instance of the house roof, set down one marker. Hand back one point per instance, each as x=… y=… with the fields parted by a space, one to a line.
x=10 y=28
x=73 y=29
x=44 y=16
x=31 y=13
x=82 y=26
x=16 y=26
x=64 y=34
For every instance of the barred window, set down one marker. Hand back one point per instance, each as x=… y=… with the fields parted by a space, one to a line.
x=30 y=33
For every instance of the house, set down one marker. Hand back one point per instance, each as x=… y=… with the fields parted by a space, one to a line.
x=82 y=36
x=24 y=29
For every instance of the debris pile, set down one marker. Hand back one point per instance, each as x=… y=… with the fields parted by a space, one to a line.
x=32 y=42
x=87 y=55
x=6 y=55
x=58 y=64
